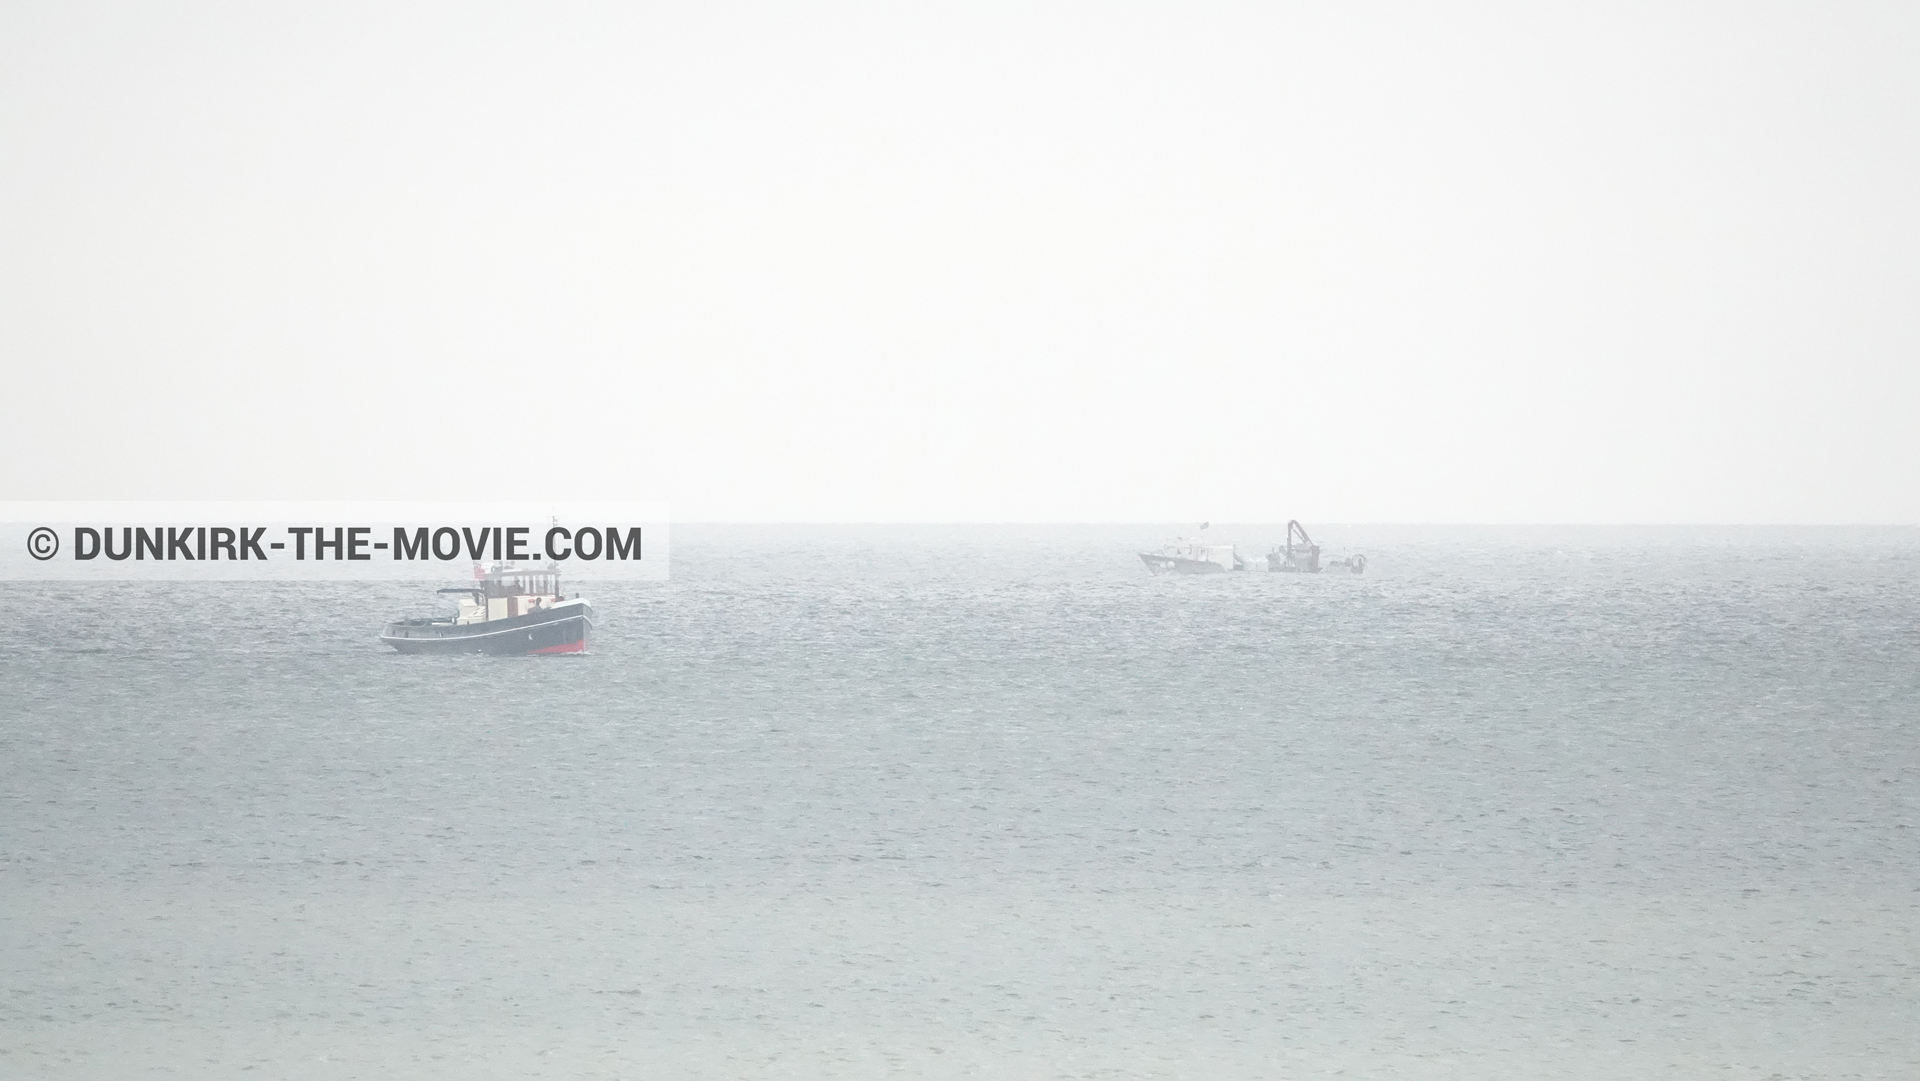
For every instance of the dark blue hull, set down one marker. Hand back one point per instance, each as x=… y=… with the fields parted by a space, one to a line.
x=561 y=629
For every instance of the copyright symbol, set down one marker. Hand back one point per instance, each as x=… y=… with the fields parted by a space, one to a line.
x=43 y=543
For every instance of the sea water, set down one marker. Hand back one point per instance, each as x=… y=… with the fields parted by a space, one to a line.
x=987 y=802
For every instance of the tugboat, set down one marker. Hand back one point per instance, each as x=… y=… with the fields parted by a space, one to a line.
x=507 y=611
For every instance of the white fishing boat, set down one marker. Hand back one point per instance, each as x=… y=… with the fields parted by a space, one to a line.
x=1183 y=556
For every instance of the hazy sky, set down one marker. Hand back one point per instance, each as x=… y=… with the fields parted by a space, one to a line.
x=894 y=262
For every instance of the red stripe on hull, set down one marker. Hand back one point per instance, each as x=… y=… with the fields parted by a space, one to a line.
x=565 y=647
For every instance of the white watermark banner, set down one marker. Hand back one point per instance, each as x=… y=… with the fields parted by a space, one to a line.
x=206 y=541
